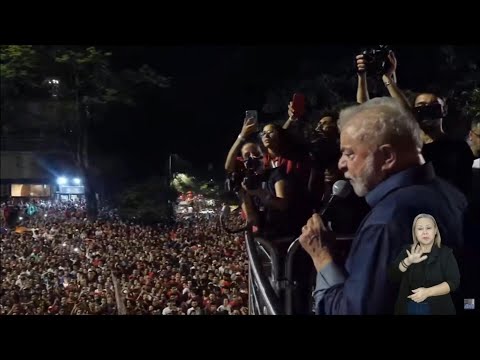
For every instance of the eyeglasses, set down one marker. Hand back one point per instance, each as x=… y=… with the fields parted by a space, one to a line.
x=473 y=132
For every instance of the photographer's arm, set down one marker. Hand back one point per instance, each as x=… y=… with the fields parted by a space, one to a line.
x=394 y=90
x=362 y=87
x=390 y=81
x=249 y=127
x=230 y=162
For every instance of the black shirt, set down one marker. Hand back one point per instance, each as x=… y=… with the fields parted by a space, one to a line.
x=452 y=160
x=440 y=266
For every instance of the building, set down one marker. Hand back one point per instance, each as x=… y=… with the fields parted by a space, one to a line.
x=35 y=168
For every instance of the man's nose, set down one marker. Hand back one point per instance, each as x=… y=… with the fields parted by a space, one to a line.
x=342 y=164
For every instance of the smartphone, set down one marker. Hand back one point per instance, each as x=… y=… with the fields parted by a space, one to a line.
x=298 y=104
x=251 y=114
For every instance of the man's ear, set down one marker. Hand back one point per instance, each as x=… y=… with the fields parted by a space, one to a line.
x=389 y=156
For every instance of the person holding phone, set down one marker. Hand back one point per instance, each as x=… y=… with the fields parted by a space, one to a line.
x=236 y=164
x=296 y=110
x=246 y=149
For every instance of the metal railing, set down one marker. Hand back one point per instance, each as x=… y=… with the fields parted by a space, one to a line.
x=290 y=285
x=263 y=296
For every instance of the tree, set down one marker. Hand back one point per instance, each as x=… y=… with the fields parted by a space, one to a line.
x=82 y=84
x=473 y=103
x=147 y=202
x=182 y=183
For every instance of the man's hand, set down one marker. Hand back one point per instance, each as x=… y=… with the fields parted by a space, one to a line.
x=419 y=294
x=415 y=256
x=313 y=238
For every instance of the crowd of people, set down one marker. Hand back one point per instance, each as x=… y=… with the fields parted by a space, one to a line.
x=55 y=262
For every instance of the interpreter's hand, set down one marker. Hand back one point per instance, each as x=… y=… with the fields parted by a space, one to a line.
x=415 y=256
x=419 y=295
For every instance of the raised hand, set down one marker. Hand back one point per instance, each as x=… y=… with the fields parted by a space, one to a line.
x=415 y=256
x=361 y=64
x=249 y=127
x=393 y=65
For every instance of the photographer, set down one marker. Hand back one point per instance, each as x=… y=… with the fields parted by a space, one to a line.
x=451 y=158
x=380 y=62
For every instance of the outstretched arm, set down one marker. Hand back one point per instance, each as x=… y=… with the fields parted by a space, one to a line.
x=249 y=127
x=390 y=81
x=362 y=87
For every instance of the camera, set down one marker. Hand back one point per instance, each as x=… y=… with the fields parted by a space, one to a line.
x=377 y=59
x=429 y=112
x=253 y=178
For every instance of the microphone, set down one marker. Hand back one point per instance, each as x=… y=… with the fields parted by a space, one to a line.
x=340 y=190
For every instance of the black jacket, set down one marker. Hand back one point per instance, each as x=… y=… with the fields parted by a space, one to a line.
x=440 y=266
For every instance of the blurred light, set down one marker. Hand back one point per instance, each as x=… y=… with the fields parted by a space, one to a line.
x=77 y=181
x=45 y=215
x=76 y=249
x=64 y=244
x=20 y=218
x=62 y=180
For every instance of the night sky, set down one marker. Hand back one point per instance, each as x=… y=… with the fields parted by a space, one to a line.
x=201 y=113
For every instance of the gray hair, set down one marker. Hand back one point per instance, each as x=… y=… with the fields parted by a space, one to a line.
x=386 y=121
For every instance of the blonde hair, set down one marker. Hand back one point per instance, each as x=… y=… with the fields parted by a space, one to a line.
x=438 y=239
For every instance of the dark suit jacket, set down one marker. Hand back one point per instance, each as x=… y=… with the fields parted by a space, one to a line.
x=440 y=266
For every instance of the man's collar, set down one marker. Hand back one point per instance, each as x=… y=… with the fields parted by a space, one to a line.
x=415 y=175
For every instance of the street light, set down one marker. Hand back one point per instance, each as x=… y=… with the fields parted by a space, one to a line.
x=62 y=180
